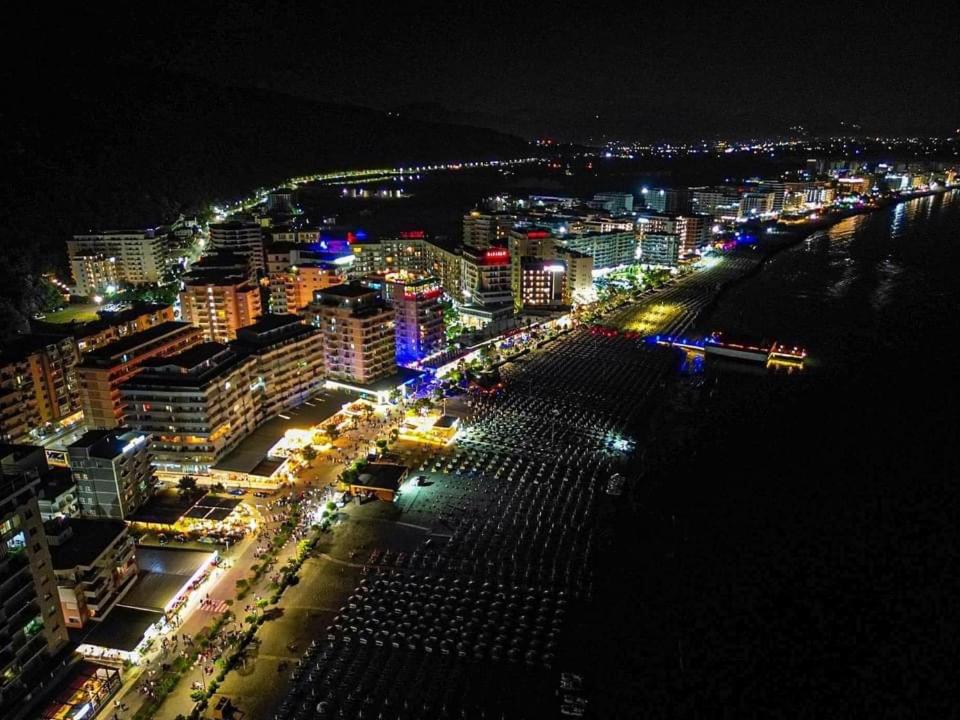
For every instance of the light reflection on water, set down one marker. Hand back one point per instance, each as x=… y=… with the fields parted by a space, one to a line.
x=868 y=281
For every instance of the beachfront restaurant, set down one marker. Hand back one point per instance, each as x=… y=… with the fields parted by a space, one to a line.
x=170 y=512
x=167 y=577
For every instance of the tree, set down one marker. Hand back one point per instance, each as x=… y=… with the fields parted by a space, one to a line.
x=187 y=486
x=309 y=453
x=333 y=432
x=218 y=487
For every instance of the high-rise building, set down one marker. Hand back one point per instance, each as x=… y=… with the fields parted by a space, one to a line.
x=103 y=370
x=484 y=229
x=542 y=283
x=527 y=243
x=288 y=355
x=754 y=204
x=405 y=252
x=661 y=249
x=197 y=405
x=486 y=281
x=358 y=333
x=579 y=285
x=31 y=627
x=242 y=237
x=139 y=256
x=608 y=250
x=112 y=471
x=94 y=275
x=113 y=326
x=668 y=200
x=295 y=273
x=419 y=315
x=447 y=265
x=219 y=302
x=616 y=203
x=94 y=562
x=38 y=384
x=693 y=229
x=779 y=190
x=713 y=200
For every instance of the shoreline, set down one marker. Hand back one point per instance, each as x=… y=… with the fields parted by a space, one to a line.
x=799 y=235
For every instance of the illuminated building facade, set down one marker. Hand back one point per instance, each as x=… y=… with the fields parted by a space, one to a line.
x=486 y=280
x=754 y=204
x=543 y=283
x=38 y=384
x=523 y=244
x=483 y=229
x=219 y=302
x=114 y=326
x=31 y=628
x=103 y=370
x=419 y=316
x=358 y=333
x=112 y=471
x=661 y=249
x=242 y=237
x=138 y=256
x=94 y=275
x=608 y=250
x=197 y=405
x=94 y=562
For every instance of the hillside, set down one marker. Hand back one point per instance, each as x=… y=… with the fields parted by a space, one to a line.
x=97 y=148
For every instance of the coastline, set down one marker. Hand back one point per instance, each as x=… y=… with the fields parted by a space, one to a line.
x=793 y=236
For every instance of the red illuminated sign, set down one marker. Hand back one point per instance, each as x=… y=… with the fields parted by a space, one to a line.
x=412 y=235
x=537 y=235
x=496 y=256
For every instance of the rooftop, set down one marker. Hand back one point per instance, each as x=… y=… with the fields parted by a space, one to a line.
x=106 y=444
x=190 y=358
x=22 y=345
x=89 y=540
x=252 y=451
x=168 y=506
x=109 y=353
x=55 y=482
x=346 y=291
x=381 y=476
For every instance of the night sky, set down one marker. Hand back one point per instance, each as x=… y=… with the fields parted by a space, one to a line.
x=652 y=70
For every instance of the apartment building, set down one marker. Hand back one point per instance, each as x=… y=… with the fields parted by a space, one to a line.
x=289 y=365
x=94 y=562
x=38 y=384
x=114 y=326
x=31 y=627
x=358 y=333
x=138 y=255
x=103 y=370
x=197 y=405
x=241 y=237
x=219 y=302
x=112 y=471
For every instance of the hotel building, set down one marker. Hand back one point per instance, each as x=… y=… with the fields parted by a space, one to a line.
x=358 y=333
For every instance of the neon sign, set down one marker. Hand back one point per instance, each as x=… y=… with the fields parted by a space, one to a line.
x=412 y=235
x=496 y=256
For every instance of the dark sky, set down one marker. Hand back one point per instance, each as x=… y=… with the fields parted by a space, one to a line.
x=651 y=70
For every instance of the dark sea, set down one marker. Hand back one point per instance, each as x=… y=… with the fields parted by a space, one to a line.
x=792 y=545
